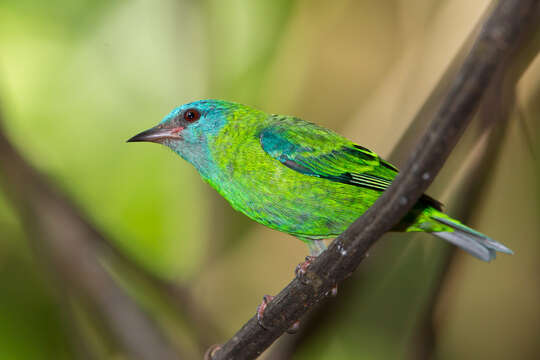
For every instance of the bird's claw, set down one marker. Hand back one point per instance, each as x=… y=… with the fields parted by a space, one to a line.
x=260 y=309
x=332 y=292
x=209 y=354
x=294 y=327
x=301 y=269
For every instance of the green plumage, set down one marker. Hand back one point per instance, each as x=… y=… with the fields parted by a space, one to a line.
x=295 y=176
x=290 y=175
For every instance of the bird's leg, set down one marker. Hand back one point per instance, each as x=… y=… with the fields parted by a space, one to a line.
x=260 y=309
x=316 y=247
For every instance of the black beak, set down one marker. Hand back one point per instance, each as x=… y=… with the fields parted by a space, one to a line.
x=156 y=135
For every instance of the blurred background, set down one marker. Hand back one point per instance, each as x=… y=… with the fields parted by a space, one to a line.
x=78 y=78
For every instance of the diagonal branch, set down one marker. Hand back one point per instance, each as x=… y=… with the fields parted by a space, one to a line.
x=502 y=28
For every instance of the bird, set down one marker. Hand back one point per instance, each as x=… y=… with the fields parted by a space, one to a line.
x=295 y=176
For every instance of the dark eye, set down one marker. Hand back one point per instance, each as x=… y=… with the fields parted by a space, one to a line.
x=191 y=115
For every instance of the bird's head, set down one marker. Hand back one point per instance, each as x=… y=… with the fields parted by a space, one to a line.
x=189 y=128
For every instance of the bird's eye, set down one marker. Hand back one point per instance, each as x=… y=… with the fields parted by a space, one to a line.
x=191 y=115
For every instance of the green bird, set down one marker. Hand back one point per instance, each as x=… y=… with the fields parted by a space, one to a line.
x=294 y=176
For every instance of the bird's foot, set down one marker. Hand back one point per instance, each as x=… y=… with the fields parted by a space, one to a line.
x=209 y=354
x=294 y=327
x=301 y=269
x=260 y=315
x=260 y=309
x=332 y=292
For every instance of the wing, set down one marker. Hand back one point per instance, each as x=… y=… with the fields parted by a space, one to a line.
x=316 y=151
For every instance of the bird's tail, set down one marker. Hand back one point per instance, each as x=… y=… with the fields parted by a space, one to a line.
x=470 y=240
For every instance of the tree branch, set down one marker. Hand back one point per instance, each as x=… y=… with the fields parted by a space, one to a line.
x=346 y=252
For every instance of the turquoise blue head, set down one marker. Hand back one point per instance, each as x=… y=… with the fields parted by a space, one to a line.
x=188 y=129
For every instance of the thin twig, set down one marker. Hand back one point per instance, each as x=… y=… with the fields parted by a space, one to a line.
x=526 y=132
x=81 y=347
x=347 y=251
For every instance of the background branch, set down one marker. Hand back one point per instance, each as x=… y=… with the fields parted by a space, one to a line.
x=471 y=191
x=180 y=297
x=501 y=29
x=494 y=116
x=63 y=240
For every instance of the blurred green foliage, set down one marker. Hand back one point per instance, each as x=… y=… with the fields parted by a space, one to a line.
x=77 y=78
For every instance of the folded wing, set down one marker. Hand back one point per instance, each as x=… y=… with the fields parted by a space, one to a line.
x=316 y=151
